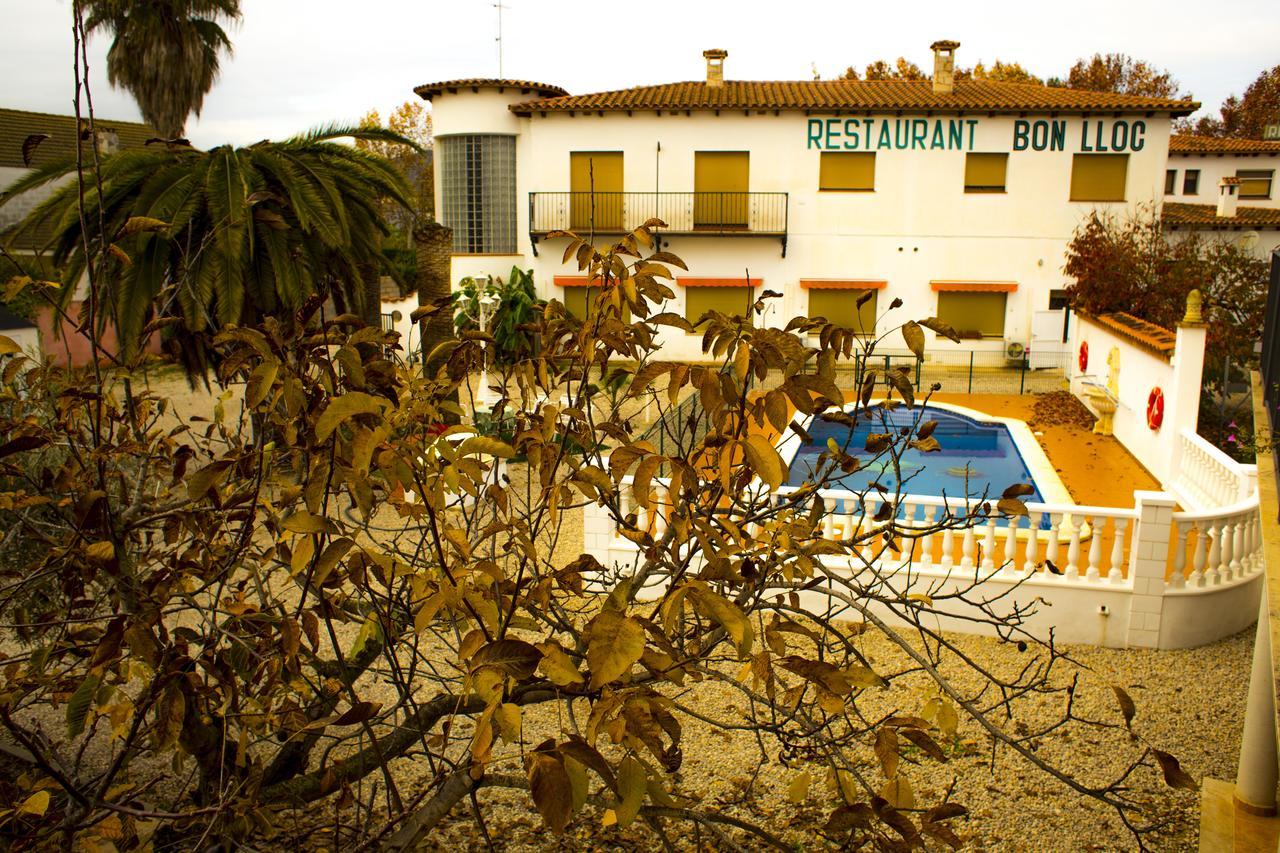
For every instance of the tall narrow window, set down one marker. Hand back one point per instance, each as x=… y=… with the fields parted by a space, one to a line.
x=847 y=171
x=720 y=181
x=595 y=187
x=1191 y=182
x=1255 y=183
x=1170 y=181
x=478 y=192
x=985 y=173
x=1098 y=177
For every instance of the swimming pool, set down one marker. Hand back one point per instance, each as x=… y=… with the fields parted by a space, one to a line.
x=976 y=456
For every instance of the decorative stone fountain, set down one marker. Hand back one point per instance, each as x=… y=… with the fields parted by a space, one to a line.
x=1105 y=399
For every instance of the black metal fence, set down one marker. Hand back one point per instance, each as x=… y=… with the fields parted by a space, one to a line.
x=1269 y=365
x=973 y=372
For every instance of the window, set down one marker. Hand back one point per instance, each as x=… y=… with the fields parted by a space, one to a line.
x=580 y=301
x=1255 y=183
x=1170 y=181
x=478 y=191
x=726 y=300
x=840 y=306
x=984 y=173
x=1098 y=177
x=972 y=314
x=847 y=171
x=720 y=181
x=595 y=187
x=1191 y=182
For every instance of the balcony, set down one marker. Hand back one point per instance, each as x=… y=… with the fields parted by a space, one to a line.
x=691 y=214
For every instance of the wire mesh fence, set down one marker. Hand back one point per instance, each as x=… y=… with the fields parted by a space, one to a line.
x=974 y=372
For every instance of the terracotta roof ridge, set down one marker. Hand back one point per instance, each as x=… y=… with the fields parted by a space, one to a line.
x=97 y=119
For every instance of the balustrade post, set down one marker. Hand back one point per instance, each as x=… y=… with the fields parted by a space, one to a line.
x=926 y=541
x=1119 y=527
x=1033 y=543
x=1148 y=564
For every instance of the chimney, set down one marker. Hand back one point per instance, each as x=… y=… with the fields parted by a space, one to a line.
x=1228 y=188
x=944 y=66
x=715 y=67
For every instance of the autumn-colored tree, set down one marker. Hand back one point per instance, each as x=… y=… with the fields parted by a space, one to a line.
x=1246 y=117
x=999 y=72
x=1133 y=265
x=900 y=69
x=412 y=121
x=1117 y=72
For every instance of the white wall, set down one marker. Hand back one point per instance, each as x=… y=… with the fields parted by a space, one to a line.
x=919 y=225
x=1214 y=167
x=1141 y=370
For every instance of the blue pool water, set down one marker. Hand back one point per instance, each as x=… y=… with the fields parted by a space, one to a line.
x=975 y=456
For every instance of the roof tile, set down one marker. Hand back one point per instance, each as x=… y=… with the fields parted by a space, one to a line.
x=427 y=91
x=1179 y=214
x=856 y=95
x=1186 y=143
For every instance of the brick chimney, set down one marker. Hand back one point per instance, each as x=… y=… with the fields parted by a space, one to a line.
x=1228 y=195
x=715 y=67
x=944 y=66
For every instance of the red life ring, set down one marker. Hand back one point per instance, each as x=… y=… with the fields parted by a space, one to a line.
x=1084 y=356
x=1155 y=409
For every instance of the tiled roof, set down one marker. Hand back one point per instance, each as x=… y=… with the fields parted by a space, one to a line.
x=857 y=95
x=427 y=91
x=1178 y=214
x=17 y=125
x=1156 y=338
x=1186 y=143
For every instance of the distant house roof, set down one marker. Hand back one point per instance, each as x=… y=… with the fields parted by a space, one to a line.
x=10 y=321
x=16 y=126
x=858 y=96
x=427 y=91
x=1205 y=216
x=1186 y=143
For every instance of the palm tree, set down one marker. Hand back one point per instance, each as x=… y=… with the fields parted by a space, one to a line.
x=208 y=238
x=164 y=52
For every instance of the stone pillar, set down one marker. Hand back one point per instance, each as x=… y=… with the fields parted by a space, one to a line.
x=1259 y=769
x=433 y=244
x=1182 y=400
x=1148 y=559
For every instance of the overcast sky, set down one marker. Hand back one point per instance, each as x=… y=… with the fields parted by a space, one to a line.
x=301 y=63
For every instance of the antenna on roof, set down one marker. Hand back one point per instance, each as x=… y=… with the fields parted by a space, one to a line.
x=499 y=7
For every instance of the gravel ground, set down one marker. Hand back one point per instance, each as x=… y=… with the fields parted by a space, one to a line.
x=1013 y=806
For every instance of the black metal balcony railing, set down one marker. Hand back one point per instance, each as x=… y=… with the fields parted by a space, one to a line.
x=719 y=214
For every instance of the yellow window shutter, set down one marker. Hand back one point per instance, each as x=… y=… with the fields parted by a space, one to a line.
x=1098 y=177
x=1255 y=183
x=973 y=314
x=595 y=186
x=847 y=170
x=727 y=300
x=841 y=307
x=985 y=172
x=720 y=182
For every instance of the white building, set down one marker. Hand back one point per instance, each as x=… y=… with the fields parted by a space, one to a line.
x=958 y=197
x=1224 y=189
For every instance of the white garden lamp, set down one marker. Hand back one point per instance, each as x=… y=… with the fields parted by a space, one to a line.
x=488 y=305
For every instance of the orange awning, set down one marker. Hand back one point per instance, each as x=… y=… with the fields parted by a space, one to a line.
x=843 y=284
x=720 y=282
x=974 y=286
x=575 y=281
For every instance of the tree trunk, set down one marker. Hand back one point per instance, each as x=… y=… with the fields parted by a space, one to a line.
x=434 y=244
x=371 y=289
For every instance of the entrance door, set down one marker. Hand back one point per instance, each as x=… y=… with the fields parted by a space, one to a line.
x=720 y=180
x=1048 y=348
x=595 y=190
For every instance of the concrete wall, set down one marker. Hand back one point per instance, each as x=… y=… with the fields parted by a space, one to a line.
x=68 y=347
x=1141 y=370
x=918 y=225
